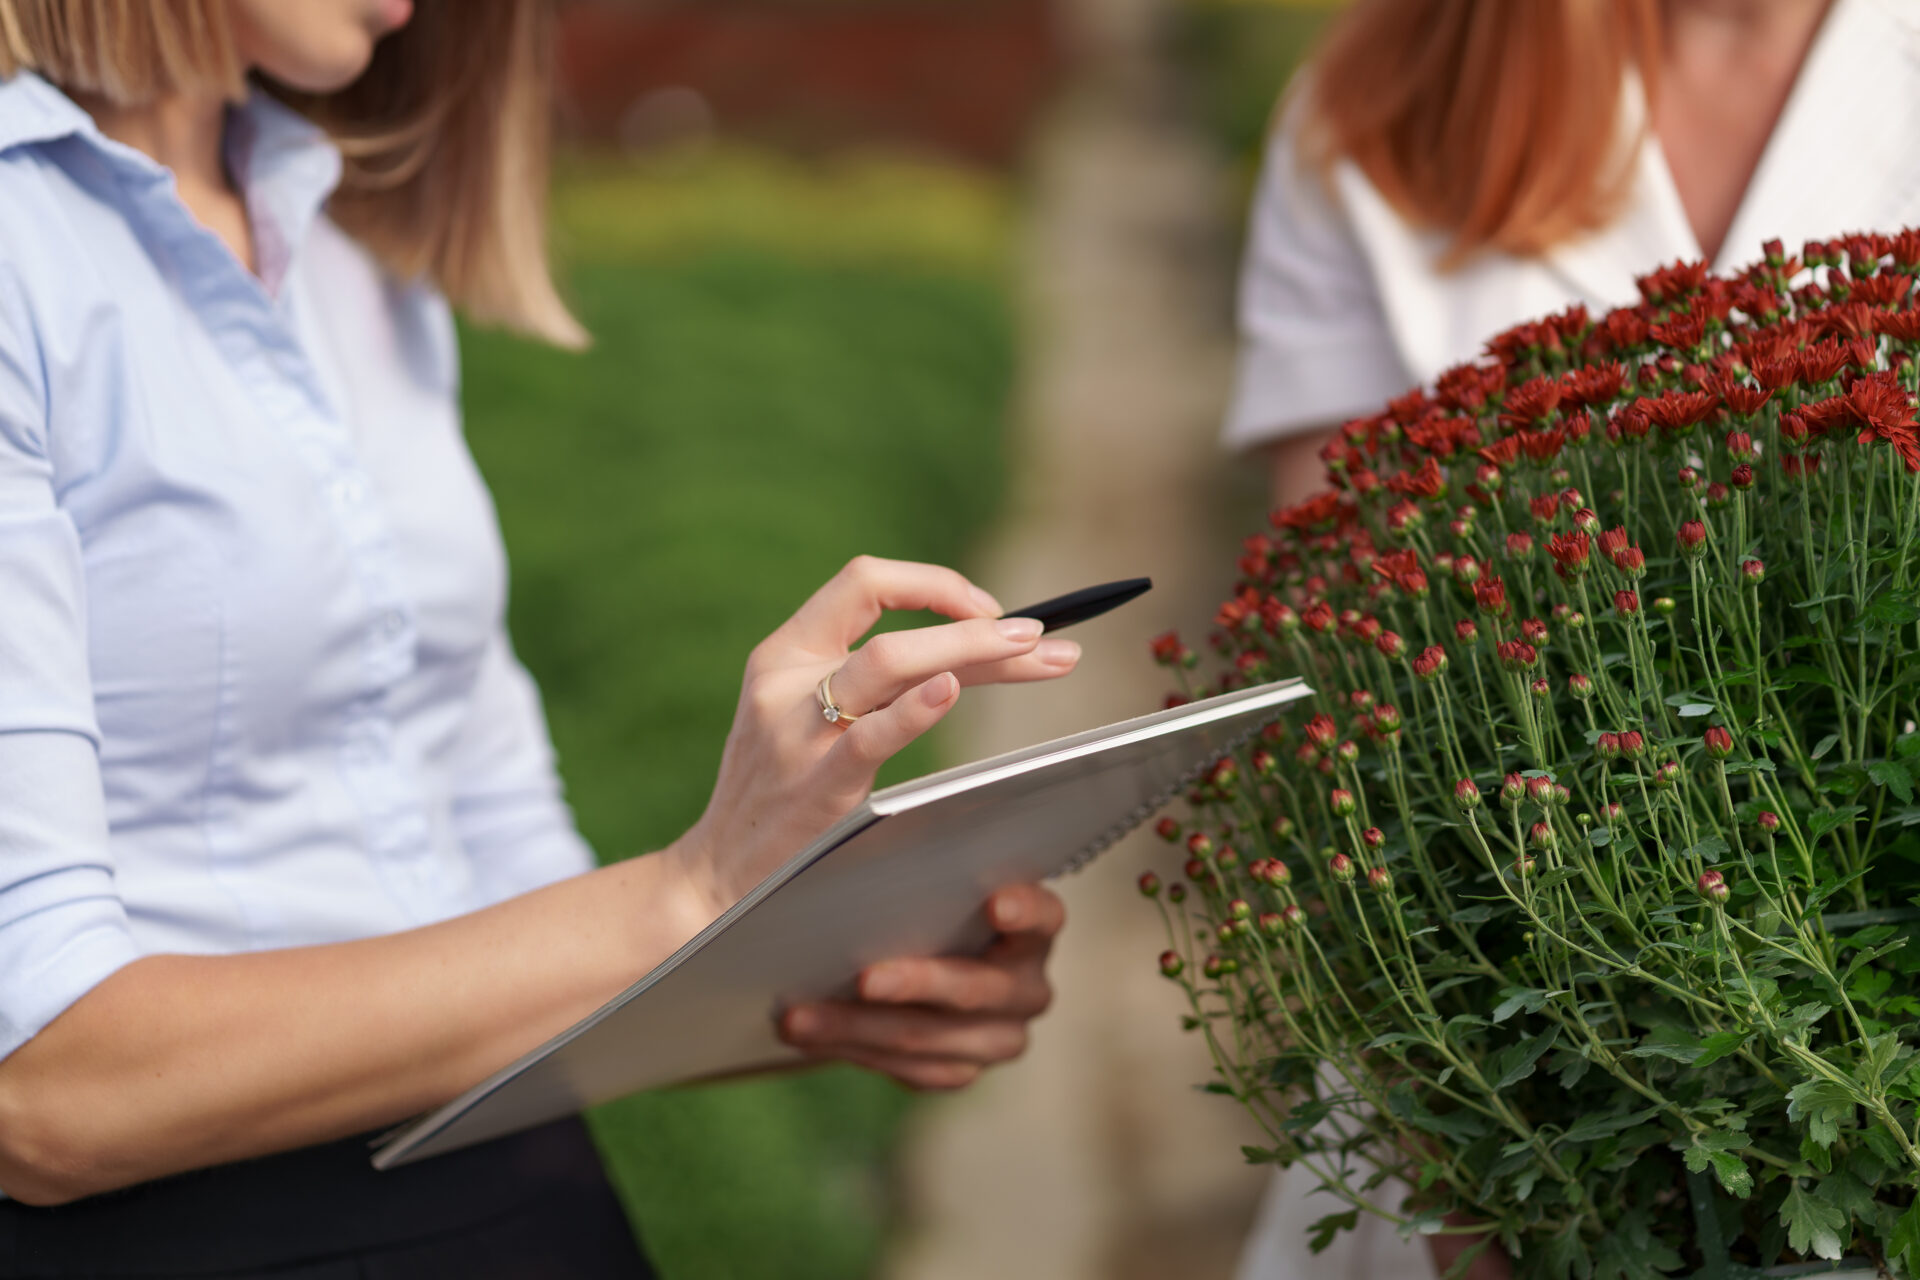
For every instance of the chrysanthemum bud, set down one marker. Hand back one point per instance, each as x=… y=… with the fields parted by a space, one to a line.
x=1626 y=603
x=1769 y=821
x=1739 y=446
x=1718 y=742
x=1717 y=495
x=1561 y=795
x=1689 y=479
x=1712 y=886
x=1586 y=521
x=1238 y=909
x=1466 y=630
x=1523 y=865
x=1149 y=885
x=1516 y=655
x=1664 y=606
x=1265 y=763
x=1341 y=801
x=1171 y=964
x=1576 y=621
x=1270 y=923
x=1176 y=893
x=1379 y=879
x=1519 y=546
x=1667 y=774
x=1390 y=644
x=1341 y=868
x=1282 y=828
x=1291 y=915
x=1196 y=870
x=1631 y=561
x=1753 y=572
x=1213 y=966
x=1580 y=685
x=1227 y=859
x=1541 y=688
x=1466 y=795
x=1607 y=746
x=1741 y=477
x=1632 y=744
x=1466 y=571
x=1513 y=790
x=1540 y=789
x=1614 y=813
x=1541 y=836
x=1167 y=829
x=1386 y=718
x=1373 y=837
x=1535 y=633
x=1199 y=844
x=1693 y=539
x=1430 y=663
x=1279 y=875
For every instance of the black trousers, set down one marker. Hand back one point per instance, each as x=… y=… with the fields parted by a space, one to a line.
x=531 y=1206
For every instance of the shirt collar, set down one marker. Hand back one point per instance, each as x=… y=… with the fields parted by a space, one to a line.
x=284 y=165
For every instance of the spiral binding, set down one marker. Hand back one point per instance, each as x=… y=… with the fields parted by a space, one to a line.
x=1140 y=813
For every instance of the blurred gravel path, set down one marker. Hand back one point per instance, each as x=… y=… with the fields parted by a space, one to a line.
x=1094 y=1158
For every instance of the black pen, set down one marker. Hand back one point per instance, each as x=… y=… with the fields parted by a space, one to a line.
x=1078 y=606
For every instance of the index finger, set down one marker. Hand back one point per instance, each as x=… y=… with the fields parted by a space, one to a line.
x=840 y=612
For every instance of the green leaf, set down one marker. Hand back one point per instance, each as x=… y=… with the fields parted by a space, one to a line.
x=1719 y=1045
x=1516 y=1062
x=1825 y=745
x=1894 y=777
x=1589 y=1127
x=1330 y=1226
x=1667 y=1042
x=1473 y=915
x=1824 y=1105
x=1599 y=837
x=1907 y=746
x=1692 y=710
x=1260 y=1155
x=1532 y=999
x=1461 y=1126
x=1813 y=1225
x=1825 y=821
x=1888 y=607
x=1906 y=1236
x=1712 y=849
x=1682 y=699
x=1732 y=1172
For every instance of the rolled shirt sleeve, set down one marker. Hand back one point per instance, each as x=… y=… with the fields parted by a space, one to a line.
x=1315 y=344
x=63 y=927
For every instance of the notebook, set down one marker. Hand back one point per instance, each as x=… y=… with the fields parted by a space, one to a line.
x=907 y=873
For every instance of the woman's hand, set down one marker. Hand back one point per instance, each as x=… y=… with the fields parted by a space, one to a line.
x=937 y=1023
x=787 y=774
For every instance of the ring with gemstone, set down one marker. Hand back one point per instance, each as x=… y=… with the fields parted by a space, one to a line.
x=829 y=710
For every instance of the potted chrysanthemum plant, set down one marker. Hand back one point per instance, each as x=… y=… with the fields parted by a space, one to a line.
x=1581 y=900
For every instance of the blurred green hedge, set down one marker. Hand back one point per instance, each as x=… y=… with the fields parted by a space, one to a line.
x=791 y=365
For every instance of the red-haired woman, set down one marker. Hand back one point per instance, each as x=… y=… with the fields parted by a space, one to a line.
x=1447 y=168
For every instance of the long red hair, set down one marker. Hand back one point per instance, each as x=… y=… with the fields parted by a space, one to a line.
x=1494 y=121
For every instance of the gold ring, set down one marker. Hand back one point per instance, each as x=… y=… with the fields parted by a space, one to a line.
x=829 y=710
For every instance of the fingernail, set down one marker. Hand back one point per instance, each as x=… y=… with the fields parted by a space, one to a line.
x=988 y=605
x=1019 y=628
x=940 y=690
x=1006 y=913
x=881 y=984
x=802 y=1023
x=1057 y=653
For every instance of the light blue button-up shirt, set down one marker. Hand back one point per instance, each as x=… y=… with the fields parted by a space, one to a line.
x=255 y=689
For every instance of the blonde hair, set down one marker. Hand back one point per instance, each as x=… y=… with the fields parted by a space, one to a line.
x=1494 y=121
x=444 y=137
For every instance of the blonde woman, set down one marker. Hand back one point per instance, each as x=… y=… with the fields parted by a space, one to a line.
x=1449 y=168
x=283 y=858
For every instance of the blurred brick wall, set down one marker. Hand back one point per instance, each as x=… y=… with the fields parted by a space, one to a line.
x=962 y=77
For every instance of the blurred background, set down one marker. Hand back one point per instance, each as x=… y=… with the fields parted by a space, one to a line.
x=936 y=279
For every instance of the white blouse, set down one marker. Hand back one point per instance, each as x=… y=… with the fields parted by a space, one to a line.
x=1343 y=306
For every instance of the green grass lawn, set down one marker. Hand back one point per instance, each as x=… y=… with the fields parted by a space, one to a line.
x=791 y=366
